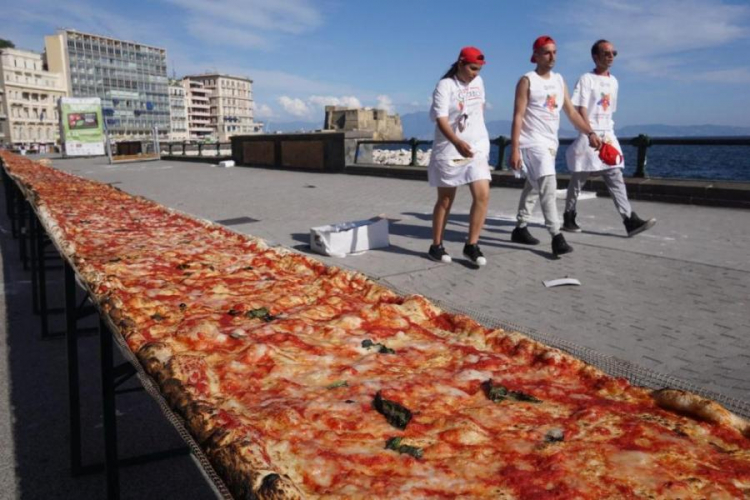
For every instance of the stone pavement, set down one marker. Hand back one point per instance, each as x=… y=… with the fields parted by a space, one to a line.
x=675 y=299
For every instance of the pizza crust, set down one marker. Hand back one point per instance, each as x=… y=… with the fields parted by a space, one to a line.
x=700 y=408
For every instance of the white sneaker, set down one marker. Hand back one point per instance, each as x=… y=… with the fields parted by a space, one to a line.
x=475 y=255
x=438 y=254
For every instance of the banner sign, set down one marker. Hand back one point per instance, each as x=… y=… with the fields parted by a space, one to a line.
x=81 y=126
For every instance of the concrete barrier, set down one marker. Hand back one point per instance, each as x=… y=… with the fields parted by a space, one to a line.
x=320 y=151
x=692 y=192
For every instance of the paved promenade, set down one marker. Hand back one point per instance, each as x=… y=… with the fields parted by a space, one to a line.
x=675 y=299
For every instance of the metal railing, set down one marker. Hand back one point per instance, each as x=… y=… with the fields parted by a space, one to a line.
x=642 y=142
x=200 y=149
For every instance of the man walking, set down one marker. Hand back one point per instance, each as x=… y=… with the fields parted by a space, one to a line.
x=536 y=120
x=595 y=98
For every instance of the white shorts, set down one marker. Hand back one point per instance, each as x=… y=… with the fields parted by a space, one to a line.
x=447 y=173
x=538 y=161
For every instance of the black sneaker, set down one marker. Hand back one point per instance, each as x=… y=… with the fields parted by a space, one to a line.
x=475 y=255
x=635 y=225
x=560 y=246
x=522 y=235
x=438 y=254
x=569 y=222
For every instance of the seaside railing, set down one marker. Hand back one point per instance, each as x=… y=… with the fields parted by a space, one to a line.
x=642 y=142
x=199 y=149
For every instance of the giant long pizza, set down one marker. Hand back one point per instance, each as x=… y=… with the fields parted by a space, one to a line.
x=304 y=380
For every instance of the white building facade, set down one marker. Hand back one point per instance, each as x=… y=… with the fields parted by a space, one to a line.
x=178 y=112
x=198 y=116
x=28 y=113
x=231 y=105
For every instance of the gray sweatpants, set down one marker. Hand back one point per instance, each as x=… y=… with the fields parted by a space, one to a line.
x=614 y=182
x=546 y=193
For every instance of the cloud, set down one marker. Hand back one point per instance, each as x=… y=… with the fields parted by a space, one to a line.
x=346 y=101
x=206 y=30
x=386 y=103
x=655 y=37
x=312 y=107
x=264 y=111
x=736 y=75
x=248 y=23
x=295 y=107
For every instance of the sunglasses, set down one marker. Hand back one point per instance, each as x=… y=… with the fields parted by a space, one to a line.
x=608 y=53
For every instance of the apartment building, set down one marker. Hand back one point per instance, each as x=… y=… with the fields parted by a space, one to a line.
x=198 y=115
x=28 y=95
x=129 y=77
x=178 y=112
x=230 y=104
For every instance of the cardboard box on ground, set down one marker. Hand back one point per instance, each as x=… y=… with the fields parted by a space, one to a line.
x=338 y=240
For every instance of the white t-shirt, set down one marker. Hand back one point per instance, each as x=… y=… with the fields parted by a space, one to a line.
x=463 y=104
x=542 y=119
x=598 y=94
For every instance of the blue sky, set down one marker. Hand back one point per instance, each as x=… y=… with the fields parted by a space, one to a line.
x=681 y=62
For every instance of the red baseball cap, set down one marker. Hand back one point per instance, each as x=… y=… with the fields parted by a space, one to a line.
x=471 y=55
x=539 y=43
x=609 y=154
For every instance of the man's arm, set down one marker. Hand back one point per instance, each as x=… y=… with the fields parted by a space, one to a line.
x=519 y=110
x=580 y=120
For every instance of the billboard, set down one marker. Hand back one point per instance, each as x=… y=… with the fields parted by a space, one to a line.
x=81 y=126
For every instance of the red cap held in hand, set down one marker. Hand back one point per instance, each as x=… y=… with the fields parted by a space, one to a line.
x=610 y=155
x=471 y=55
x=539 y=43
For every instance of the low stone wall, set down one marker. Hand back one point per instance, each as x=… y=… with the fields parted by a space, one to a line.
x=321 y=151
x=707 y=193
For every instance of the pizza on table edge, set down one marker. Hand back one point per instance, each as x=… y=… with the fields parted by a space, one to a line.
x=301 y=380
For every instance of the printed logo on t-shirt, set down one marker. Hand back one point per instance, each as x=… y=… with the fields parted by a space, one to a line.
x=551 y=102
x=468 y=94
x=606 y=101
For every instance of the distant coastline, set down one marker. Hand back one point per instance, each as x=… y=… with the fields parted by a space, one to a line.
x=419 y=125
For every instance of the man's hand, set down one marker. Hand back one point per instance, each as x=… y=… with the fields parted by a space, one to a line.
x=464 y=149
x=595 y=141
x=515 y=160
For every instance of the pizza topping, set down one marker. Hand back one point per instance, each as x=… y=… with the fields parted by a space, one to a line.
x=381 y=348
x=396 y=415
x=261 y=313
x=554 y=435
x=498 y=393
x=238 y=334
x=337 y=384
x=394 y=444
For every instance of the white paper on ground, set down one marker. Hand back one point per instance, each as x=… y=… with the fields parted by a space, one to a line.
x=561 y=282
x=226 y=163
x=561 y=194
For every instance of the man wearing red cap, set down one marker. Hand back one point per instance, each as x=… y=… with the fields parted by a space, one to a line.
x=595 y=98
x=536 y=120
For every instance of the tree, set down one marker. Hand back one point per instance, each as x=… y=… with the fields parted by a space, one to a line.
x=6 y=44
